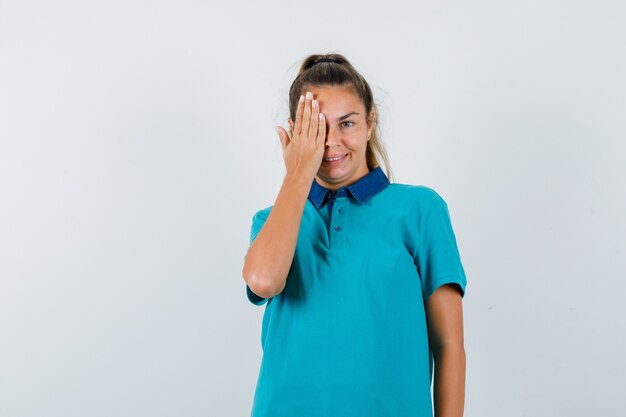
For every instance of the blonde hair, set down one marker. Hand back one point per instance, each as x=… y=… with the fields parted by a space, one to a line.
x=334 y=69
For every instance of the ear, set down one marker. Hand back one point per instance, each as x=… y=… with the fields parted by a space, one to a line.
x=371 y=122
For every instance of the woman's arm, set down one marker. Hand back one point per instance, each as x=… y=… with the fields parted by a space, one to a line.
x=269 y=258
x=444 y=312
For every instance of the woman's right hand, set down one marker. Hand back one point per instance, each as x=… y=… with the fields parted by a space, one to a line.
x=303 y=150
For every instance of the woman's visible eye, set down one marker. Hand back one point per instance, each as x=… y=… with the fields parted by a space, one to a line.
x=343 y=123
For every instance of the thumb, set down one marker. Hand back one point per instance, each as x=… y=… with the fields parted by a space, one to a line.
x=284 y=138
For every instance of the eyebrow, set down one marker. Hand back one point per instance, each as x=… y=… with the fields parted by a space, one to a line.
x=346 y=116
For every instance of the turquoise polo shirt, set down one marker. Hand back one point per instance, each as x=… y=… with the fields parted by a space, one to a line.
x=348 y=335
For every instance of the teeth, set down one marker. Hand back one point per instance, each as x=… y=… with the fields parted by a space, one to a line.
x=333 y=159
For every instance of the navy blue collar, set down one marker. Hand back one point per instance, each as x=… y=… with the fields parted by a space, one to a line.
x=362 y=190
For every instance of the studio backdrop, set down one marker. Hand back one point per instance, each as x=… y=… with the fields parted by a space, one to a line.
x=137 y=141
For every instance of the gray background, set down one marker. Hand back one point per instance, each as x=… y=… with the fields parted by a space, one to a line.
x=137 y=141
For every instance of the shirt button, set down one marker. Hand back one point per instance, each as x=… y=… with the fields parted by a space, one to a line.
x=339 y=210
x=338 y=228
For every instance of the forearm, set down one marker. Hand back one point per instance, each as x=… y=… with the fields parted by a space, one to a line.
x=269 y=258
x=449 y=381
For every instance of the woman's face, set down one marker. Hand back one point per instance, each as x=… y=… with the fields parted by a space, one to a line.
x=347 y=133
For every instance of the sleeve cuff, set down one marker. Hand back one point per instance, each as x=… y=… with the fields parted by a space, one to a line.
x=449 y=280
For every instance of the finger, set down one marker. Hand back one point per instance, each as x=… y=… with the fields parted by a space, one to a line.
x=290 y=131
x=299 y=110
x=315 y=110
x=284 y=138
x=306 y=115
x=321 y=129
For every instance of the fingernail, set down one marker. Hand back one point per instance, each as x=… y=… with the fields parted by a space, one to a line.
x=309 y=95
x=301 y=98
x=314 y=103
x=277 y=129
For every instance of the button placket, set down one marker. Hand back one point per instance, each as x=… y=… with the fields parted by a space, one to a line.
x=338 y=222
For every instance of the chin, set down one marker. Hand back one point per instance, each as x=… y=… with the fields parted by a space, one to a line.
x=336 y=175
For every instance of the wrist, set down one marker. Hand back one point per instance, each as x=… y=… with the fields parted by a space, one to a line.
x=299 y=179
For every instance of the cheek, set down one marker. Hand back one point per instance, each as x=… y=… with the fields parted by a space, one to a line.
x=356 y=143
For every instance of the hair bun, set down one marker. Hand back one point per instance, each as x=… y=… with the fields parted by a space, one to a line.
x=325 y=59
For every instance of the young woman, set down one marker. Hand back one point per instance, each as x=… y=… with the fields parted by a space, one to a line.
x=361 y=278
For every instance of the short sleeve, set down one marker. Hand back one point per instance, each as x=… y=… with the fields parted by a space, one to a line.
x=258 y=220
x=438 y=259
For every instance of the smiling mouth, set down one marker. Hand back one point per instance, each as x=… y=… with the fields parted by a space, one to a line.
x=335 y=159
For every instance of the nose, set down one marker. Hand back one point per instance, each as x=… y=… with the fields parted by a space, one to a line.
x=332 y=138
